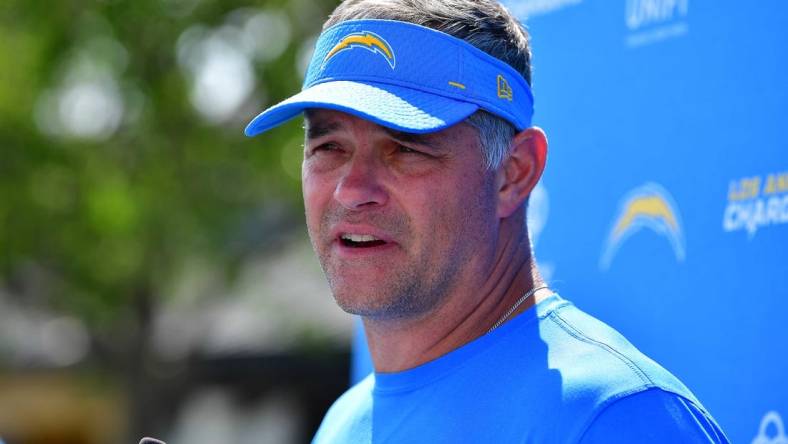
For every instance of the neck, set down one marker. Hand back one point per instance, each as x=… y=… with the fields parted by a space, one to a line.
x=467 y=313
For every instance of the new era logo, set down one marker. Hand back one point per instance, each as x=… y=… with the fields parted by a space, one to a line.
x=504 y=90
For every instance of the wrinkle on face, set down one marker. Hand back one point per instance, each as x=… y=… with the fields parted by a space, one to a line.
x=440 y=210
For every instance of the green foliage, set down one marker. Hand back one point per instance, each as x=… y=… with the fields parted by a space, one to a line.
x=102 y=218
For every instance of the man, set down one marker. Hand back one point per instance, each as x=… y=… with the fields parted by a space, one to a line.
x=418 y=163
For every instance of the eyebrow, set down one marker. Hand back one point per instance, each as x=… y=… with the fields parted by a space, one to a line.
x=315 y=130
x=417 y=139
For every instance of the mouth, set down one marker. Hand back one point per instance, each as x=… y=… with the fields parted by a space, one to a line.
x=352 y=240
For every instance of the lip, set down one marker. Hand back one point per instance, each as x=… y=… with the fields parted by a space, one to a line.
x=346 y=251
x=341 y=229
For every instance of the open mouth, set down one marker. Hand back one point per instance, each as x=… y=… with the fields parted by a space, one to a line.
x=360 y=241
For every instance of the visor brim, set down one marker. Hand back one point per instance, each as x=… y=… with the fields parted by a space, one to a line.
x=395 y=107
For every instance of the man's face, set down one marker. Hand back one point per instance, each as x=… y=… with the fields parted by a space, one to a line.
x=398 y=220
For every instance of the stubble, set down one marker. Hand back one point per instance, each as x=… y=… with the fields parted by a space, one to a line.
x=409 y=289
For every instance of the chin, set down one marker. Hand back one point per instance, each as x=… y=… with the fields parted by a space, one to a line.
x=357 y=302
x=383 y=305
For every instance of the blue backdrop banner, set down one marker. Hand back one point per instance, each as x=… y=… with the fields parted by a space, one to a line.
x=664 y=207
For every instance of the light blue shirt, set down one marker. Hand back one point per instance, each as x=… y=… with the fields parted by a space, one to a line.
x=552 y=374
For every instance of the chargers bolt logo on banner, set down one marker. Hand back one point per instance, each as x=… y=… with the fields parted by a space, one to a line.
x=648 y=206
x=364 y=39
x=778 y=436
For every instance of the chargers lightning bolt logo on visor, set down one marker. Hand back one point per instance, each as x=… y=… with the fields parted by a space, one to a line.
x=648 y=206
x=364 y=39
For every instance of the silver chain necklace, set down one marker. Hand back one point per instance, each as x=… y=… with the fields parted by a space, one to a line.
x=514 y=307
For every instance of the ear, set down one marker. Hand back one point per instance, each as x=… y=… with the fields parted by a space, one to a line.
x=521 y=170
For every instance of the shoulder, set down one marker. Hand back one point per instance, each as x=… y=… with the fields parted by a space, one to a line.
x=607 y=383
x=345 y=420
x=653 y=416
x=595 y=359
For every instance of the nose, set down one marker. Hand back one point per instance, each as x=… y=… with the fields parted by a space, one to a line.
x=361 y=184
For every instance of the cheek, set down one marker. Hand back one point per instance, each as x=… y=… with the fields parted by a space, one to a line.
x=443 y=216
x=467 y=211
x=316 y=194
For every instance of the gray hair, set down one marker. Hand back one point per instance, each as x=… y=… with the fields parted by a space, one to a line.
x=485 y=24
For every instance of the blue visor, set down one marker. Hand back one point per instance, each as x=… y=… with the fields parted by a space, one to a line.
x=403 y=76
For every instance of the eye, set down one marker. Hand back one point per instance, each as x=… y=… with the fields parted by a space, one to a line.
x=325 y=148
x=402 y=149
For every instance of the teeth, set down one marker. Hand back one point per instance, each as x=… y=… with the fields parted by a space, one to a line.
x=359 y=237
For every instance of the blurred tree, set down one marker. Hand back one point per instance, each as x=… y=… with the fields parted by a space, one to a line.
x=116 y=168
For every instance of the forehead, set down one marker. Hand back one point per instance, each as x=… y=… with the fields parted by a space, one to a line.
x=322 y=122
